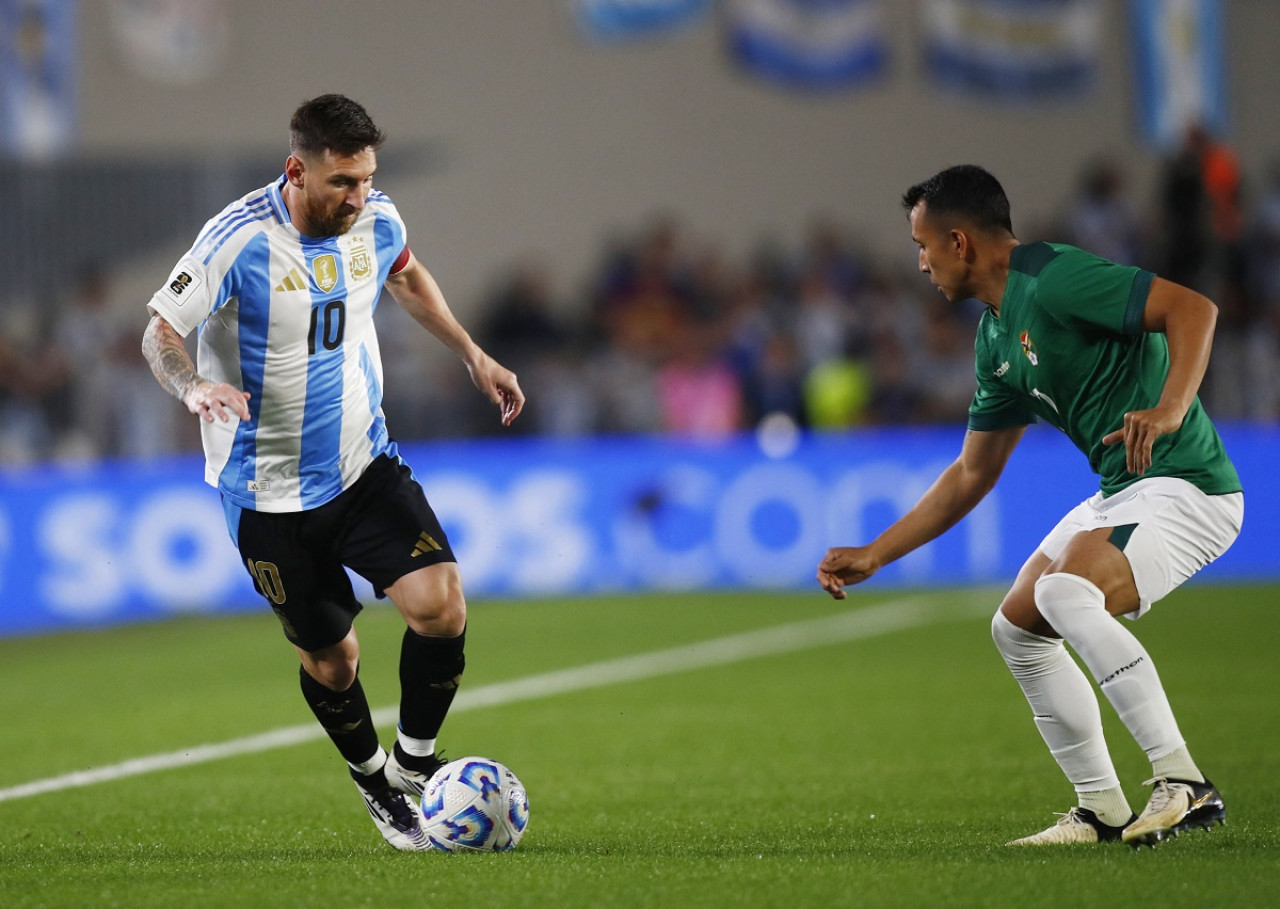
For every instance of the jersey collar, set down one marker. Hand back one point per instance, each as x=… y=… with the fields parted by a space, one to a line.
x=278 y=208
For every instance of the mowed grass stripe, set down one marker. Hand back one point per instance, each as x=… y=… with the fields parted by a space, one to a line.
x=884 y=618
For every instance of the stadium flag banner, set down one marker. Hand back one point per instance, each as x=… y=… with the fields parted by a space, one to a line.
x=38 y=78
x=1018 y=50
x=808 y=44
x=1178 y=68
x=622 y=20
x=121 y=542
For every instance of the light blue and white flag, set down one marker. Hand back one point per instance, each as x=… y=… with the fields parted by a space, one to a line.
x=808 y=44
x=1178 y=68
x=621 y=20
x=1025 y=50
x=38 y=78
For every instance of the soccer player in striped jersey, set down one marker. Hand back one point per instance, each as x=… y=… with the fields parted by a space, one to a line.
x=282 y=285
x=1113 y=357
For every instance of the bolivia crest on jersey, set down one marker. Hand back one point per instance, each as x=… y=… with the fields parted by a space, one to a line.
x=1029 y=348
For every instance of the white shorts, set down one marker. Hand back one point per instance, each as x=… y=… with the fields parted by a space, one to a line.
x=1166 y=527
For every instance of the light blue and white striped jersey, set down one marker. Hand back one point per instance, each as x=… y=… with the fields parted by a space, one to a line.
x=289 y=319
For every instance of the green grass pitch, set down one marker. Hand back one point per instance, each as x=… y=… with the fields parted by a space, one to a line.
x=885 y=769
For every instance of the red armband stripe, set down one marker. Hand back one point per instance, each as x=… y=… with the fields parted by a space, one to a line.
x=401 y=261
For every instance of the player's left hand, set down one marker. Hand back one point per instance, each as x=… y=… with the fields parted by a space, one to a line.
x=846 y=565
x=500 y=386
x=1139 y=433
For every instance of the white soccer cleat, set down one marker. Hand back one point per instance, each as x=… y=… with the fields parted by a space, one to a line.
x=394 y=816
x=410 y=782
x=1079 y=825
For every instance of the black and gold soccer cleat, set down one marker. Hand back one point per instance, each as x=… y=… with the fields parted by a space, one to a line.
x=1175 y=806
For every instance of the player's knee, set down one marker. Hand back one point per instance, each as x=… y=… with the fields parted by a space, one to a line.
x=445 y=621
x=334 y=674
x=1061 y=597
x=999 y=632
x=431 y=601
x=1025 y=652
x=334 y=667
x=443 y=616
x=1005 y=635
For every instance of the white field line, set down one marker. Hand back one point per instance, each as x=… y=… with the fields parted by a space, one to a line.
x=779 y=639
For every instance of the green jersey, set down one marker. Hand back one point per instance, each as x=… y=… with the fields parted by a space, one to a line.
x=1068 y=348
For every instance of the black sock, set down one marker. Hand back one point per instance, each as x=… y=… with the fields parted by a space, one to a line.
x=344 y=715
x=430 y=672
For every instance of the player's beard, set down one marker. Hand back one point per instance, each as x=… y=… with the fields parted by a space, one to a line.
x=331 y=224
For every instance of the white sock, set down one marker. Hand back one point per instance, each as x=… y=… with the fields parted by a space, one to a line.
x=1110 y=805
x=1076 y=608
x=415 y=747
x=1177 y=766
x=373 y=765
x=1066 y=712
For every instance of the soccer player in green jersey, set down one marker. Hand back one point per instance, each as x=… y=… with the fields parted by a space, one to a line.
x=1112 y=356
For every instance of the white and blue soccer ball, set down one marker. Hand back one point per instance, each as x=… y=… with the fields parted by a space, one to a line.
x=474 y=804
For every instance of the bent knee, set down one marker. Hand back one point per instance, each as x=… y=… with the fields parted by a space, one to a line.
x=431 y=600
x=334 y=667
x=336 y=674
x=1019 y=609
x=447 y=621
x=1060 y=595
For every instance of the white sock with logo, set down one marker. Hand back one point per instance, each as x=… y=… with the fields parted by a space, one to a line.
x=1067 y=715
x=1076 y=608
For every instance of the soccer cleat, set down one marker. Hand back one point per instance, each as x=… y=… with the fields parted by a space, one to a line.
x=393 y=814
x=1175 y=806
x=1079 y=825
x=411 y=782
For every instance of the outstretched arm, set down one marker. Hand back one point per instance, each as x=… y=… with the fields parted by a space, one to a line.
x=1187 y=319
x=163 y=349
x=416 y=290
x=952 y=496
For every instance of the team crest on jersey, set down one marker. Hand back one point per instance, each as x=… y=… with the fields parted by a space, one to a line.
x=1029 y=348
x=325 y=270
x=360 y=263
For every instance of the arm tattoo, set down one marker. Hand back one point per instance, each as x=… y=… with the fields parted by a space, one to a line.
x=162 y=347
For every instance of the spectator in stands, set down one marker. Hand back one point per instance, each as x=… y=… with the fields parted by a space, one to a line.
x=774 y=383
x=114 y=403
x=942 y=365
x=1100 y=219
x=521 y=328
x=30 y=373
x=699 y=395
x=1183 y=219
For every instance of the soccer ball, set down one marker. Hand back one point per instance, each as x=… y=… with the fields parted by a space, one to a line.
x=474 y=804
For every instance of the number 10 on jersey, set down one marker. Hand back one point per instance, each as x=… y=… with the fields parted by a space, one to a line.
x=328 y=323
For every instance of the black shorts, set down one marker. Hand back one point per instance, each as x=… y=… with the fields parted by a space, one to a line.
x=382 y=528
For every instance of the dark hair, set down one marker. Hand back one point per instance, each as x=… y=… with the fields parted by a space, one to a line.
x=965 y=190
x=333 y=123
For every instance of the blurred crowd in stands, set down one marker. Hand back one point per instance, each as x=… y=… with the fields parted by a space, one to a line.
x=669 y=335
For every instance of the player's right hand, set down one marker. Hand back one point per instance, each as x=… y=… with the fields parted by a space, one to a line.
x=499 y=385
x=846 y=565
x=209 y=400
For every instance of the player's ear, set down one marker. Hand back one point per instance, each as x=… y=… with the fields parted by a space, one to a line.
x=294 y=168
